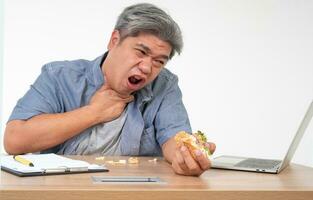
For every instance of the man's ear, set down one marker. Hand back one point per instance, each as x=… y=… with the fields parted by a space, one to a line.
x=114 y=40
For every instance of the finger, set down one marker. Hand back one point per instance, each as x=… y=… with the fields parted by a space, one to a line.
x=211 y=146
x=113 y=94
x=190 y=162
x=203 y=160
x=129 y=99
x=181 y=161
x=123 y=96
x=125 y=99
x=177 y=169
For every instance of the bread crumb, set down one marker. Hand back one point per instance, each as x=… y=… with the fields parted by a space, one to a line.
x=153 y=160
x=100 y=158
x=133 y=160
x=120 y=162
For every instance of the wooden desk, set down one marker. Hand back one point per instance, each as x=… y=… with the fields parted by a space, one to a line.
x=295 y=182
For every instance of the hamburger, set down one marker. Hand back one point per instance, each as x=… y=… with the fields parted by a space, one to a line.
x=195 y=141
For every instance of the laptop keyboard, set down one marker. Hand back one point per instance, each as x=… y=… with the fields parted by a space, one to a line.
x=258 y=163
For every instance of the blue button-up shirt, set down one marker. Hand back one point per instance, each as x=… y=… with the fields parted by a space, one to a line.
x=156 y=114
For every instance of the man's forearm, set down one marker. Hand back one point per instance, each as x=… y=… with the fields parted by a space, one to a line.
x=47 y=130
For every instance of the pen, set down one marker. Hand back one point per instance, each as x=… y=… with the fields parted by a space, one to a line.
x=23 y=161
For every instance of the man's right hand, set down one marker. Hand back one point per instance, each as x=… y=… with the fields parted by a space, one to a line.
x=108 y=104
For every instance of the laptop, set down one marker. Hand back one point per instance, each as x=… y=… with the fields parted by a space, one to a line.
x=264 y=165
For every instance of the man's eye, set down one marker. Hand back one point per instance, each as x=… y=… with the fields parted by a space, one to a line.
x=141 y=52
x=159 y=63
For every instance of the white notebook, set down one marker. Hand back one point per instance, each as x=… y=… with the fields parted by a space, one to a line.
x=45 y=164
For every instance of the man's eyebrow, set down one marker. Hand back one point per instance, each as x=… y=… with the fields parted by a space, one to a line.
x=148 y=50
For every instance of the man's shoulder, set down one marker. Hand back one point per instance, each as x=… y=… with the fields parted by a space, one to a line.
x=167 y=75
x=73 y=72
x=68 y=66
x=164 y=81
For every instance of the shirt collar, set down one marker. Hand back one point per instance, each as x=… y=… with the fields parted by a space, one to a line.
x=145 y=94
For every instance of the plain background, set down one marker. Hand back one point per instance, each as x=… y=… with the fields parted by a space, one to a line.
x=246 y=69
x=1 y=63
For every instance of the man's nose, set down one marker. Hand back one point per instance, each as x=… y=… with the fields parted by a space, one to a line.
x=145 y=65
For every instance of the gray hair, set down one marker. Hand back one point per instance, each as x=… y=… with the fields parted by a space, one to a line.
x=147 y=18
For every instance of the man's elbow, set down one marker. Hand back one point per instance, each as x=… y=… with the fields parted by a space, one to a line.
x=12 y=140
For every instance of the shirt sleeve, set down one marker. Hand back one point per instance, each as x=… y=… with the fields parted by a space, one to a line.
x=42 y=97
x=172 y=116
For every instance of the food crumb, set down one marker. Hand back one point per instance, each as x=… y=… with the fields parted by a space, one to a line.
x=100 y=158
x=120 y=162
x=153 y=160
x=133 y=160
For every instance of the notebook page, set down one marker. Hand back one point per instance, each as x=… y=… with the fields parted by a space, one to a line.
x=42 y=162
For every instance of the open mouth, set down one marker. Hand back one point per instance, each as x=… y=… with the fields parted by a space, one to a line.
x=135 y=81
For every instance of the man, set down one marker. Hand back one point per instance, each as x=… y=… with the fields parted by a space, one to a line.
x=122 y=103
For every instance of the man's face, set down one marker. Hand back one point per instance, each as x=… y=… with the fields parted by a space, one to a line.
x=134 y=62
